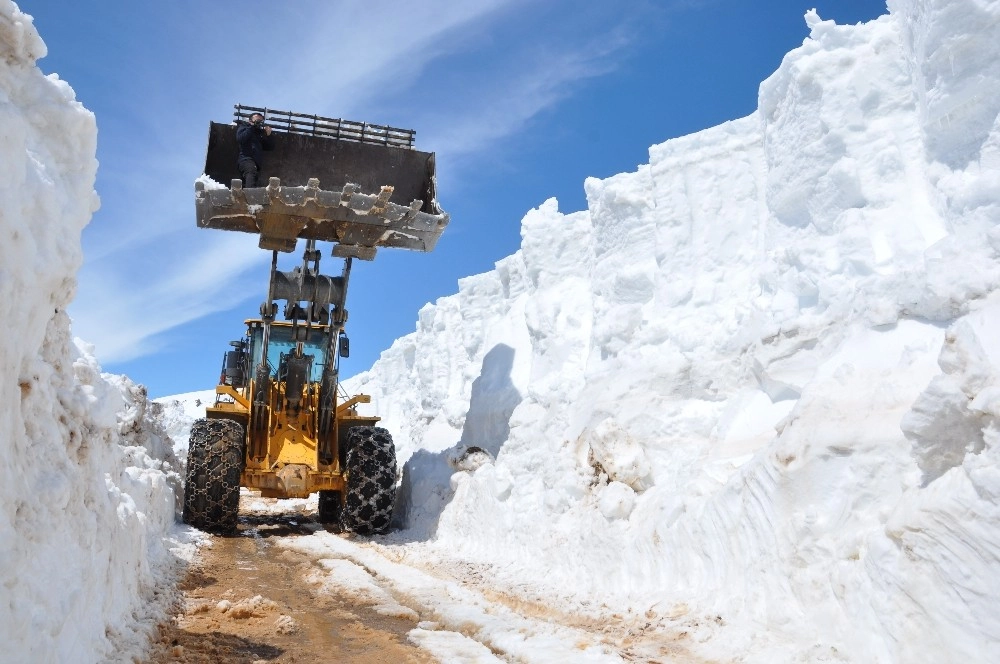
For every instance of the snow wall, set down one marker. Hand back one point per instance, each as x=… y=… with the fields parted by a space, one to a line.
x=752 y=390
x=88 y=492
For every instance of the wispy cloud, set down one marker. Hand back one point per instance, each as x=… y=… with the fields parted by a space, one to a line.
x=501 y=107
x=339 y=58
x=123 y=307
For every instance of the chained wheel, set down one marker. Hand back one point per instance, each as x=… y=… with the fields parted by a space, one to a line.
x=216 y=456
x=371 y=480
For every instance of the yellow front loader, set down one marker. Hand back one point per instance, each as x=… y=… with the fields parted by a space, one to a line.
x=281 y=423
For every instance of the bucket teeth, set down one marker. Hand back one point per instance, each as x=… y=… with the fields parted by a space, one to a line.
x=348 y=191
x=281 y=215
x=411 y=212
x=378 y=208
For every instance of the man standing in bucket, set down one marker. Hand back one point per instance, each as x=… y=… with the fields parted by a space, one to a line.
x=253 y=138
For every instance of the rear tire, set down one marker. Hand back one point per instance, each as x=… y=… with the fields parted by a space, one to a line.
x=216 y=457
x=371 y=480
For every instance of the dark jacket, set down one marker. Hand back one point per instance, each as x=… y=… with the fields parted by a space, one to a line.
x=252 y=141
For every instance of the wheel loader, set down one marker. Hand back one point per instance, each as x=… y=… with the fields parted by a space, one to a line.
x=281 y=423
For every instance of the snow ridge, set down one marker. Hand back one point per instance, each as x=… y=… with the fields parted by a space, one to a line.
x=88 y=486
x=750 y=390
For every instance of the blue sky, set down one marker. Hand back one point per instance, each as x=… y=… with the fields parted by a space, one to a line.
x=520 y=99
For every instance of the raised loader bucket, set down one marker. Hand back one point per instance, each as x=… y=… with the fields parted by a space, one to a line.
x=359 y=185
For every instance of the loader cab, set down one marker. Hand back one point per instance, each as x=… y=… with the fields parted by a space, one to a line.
x=281 y=345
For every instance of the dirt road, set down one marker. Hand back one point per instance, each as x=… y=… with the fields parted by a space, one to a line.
x=284 y=589
x=245 y=600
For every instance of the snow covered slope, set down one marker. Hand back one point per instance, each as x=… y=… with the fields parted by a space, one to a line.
x=751 y=393
x=88 y=491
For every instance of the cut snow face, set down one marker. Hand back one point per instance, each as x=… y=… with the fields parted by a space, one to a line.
x=88 y=490
x=752 y=388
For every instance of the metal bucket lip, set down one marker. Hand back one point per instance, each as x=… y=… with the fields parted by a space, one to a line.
x=349 y=217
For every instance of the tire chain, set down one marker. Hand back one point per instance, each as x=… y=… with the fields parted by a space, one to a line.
x=371 y=487
x=216 y=457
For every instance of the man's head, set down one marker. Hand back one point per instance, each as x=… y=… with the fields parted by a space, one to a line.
x=257 y=118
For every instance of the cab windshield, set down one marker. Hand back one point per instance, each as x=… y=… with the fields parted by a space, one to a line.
x=281 y=343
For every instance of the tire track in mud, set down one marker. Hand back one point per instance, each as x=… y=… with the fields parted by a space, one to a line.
x=661 y=634
x=245 y=600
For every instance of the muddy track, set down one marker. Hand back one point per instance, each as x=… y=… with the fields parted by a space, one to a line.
x=246 y=600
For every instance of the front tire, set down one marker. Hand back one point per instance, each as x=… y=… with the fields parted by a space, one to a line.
x=371 y=480
x=216 y=457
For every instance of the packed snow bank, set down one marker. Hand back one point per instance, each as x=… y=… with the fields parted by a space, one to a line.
x=750 y=394
x=88 y=488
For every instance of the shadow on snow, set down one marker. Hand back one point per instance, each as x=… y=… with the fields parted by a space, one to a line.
x=426 y=489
